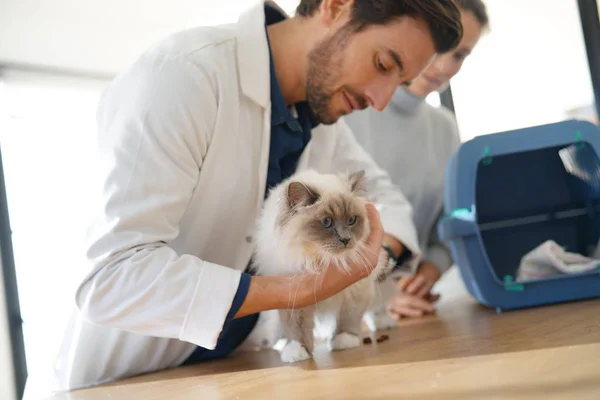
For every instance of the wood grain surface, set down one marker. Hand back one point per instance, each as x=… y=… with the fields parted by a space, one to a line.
x=466 y=351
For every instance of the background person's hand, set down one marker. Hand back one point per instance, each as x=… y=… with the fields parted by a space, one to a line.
x=421 y=282
x=414 y=297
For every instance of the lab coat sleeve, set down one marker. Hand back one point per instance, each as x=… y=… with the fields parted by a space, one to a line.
x=394 y=209
x=154 y=127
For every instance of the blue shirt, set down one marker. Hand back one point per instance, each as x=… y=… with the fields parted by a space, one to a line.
x=289 y=137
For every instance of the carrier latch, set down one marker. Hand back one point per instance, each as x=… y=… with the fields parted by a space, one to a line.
x=511 y=286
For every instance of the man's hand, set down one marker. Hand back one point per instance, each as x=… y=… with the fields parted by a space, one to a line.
x=282 y=292
x=415 y=298
x=333 y=279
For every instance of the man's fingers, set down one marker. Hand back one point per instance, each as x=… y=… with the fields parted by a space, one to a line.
x=376 y=235
x=337 y=279
x=366 y=266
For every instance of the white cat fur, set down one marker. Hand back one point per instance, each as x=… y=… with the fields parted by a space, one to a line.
x=280 y=253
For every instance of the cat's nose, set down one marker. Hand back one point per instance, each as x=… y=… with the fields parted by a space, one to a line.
x=345 y=241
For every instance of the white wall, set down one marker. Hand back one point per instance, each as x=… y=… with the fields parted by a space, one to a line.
x=47 y=133
x=529 y=70
x=101 y=36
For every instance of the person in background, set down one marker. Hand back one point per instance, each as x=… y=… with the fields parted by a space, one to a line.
x=414 y=141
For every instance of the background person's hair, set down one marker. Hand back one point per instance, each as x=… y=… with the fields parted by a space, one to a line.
x=478 y=9
x=442 y=16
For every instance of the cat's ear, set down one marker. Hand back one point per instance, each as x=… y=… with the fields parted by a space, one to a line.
x=300 y=195
x=357 y=182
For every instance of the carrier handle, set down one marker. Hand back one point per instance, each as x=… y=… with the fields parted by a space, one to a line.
x=459 y=223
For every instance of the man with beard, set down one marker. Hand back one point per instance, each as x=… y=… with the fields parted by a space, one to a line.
x=190 y=139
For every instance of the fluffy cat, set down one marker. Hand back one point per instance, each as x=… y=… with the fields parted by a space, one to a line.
x=311 y=221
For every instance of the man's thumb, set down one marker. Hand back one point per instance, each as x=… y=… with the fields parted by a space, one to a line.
x=376 y=233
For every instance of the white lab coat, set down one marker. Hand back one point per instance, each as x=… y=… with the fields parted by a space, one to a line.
x=183 y=141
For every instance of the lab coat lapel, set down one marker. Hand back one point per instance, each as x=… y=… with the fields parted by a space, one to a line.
x=253 y=69
x=253 y=56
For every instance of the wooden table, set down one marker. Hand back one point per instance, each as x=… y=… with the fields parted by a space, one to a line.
x=464 y=352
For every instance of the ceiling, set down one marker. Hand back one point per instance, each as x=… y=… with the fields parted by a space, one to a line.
x=100 y=37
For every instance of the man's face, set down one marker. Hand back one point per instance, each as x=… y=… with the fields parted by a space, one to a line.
x=350 y=71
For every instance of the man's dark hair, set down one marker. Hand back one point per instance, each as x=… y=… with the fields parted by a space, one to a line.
x=442 y=16
x=477 y=7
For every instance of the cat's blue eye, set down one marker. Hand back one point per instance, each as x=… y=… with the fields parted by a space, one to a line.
x=352 y=220
x=327 y=222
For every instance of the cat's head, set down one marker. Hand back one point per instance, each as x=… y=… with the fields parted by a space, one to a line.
x=326 y=214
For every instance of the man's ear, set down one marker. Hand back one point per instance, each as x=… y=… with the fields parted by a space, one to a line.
x=331 y=12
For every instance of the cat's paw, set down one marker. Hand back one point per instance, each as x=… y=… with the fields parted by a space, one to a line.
x=294 y=352
x=344 y=341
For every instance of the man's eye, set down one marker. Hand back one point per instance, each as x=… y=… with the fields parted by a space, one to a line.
x=380 y=66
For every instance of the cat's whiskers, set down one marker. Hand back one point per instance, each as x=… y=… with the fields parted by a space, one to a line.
x=296 y=275
x=365 y=263
x=376 y=283
x=315 y=264
x=315 y=291
x=362 y=260
x=310 y=265
x=322 y=279
x=357 y=256
x=345 y=266
x=369 y=251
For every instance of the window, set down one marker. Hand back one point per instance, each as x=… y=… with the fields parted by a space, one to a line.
x=47 y=128
x=530 y=69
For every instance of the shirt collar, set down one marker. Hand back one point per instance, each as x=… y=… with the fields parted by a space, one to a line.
x=280 y=112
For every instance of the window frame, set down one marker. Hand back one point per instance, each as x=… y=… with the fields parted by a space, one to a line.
x=13 y=309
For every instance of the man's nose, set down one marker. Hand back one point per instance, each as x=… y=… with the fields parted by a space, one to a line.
x=380 y=93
